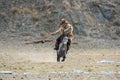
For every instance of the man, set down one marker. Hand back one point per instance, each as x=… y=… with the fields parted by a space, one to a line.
x=64 y=29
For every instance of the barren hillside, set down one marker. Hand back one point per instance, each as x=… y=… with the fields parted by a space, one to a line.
x=90 y=18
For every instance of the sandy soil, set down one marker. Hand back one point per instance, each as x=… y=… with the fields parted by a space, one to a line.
x=38 y=62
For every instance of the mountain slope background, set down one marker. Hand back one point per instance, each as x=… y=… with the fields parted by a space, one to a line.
x=90 y=18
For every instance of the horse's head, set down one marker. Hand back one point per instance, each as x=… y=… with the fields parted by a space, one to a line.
x=65 y=39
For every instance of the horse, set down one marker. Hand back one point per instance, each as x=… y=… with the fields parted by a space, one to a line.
x=62 y=50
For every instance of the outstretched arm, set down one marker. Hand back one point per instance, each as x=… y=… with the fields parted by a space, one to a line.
x=56 y=31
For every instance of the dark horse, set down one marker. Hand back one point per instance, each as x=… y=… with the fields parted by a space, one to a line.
x=62 y=50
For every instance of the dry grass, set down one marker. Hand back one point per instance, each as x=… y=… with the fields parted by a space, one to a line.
x=3 y=14
x=66 y=4
x=35 y=17
x=16 y=10
x=13 y=30
x=33 y=12
x=89 y=70
x=43 y=33
x=89 y=18
x=117 y=22
x=26 y=34
x=95 y=3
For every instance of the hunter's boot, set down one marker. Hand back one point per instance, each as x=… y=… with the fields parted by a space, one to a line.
x=56 y=46
x=68 y=47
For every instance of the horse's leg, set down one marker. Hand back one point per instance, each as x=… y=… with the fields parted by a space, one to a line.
x=58 y=57
x=64 y=56
x=63 y=59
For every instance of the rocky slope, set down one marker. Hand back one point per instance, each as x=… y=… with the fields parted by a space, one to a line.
x=35 y=18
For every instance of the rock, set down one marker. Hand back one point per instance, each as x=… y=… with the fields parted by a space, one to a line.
x=6 y=72
x=13 y=30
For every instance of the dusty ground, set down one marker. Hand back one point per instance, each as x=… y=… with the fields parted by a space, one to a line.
x=38 y=62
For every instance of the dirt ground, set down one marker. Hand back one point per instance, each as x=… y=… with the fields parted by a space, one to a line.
x=38 y=62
